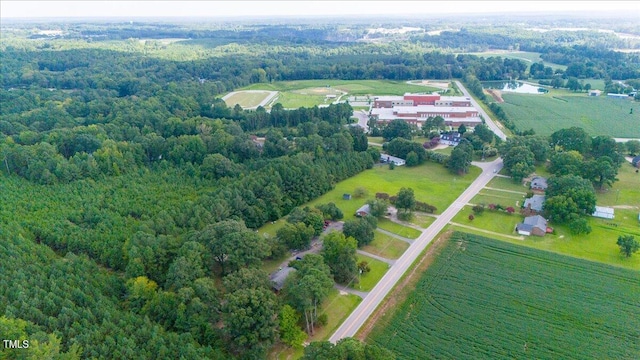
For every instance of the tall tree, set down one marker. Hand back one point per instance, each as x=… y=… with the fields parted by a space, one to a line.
x=406 y=200
x=397 y=129
x=339 y=252
x=460 y=158
x=566 y=163
x=308 y=287
x=574 y=138
x=601 y=171
x=362 y=229
x=628 y=245
x=290 y=333
x=295 y=236
x=519 y=161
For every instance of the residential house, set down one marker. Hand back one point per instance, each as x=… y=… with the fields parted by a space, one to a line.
x=533 y=205
x=363 y=211
x=451 y=139
x=539 y=183
x=278 y=278
x=533 y=225
x=384 y=158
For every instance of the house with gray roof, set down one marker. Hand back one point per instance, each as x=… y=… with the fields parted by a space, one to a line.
x=533 y=225
x=278 y=278
x=363 y=211
x=534 y=203
x=539 y=183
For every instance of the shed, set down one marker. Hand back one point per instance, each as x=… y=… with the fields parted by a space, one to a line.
x=539 y=183
x=534 y=203
x=363 y=211
x=603 y=212
x=595 y=92
x=346 y=196
x=278 y=278
x=617 y=96
x=636 y=161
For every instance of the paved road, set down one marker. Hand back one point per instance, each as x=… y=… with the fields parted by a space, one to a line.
x=490 y=123
x=363 y=119
x=353 y=323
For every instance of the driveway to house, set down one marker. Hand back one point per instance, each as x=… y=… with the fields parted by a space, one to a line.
x=490 y=123
x=357 y=318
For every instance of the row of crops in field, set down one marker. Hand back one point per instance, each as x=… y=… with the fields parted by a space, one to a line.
x=485 y=299
x=597 y=115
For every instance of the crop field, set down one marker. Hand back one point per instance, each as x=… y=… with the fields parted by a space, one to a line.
x=386 y=246
x=486 y=299
x=597 y=115
x=246 y=99
x=353 y=87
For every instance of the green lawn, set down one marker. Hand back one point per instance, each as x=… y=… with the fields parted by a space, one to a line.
x=431 y=183
x=370 y=279
x=557 y=110
x=422 y=220
x=489 y=220
x=404 y=231
x=337 y=307
x=446 y=150
x=489 y=196
x=386 y=246
x=486 y=299
x=506 y=184
x=353 y=87
x=625 y=191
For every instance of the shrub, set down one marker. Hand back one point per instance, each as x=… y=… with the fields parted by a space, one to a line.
x=471 y=217
x=478 y=209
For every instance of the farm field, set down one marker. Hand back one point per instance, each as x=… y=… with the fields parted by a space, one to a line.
x=353 y=87
x=484 y=298
x=386 y=246
x=551 y=112
x=246 y=99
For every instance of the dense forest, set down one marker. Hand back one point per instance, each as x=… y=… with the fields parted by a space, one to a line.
x=130 y=193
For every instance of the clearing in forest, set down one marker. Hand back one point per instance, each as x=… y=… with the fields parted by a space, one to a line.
x=249 y=99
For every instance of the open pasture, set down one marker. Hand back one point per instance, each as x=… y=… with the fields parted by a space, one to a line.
x=486 y=299
x=554 y=111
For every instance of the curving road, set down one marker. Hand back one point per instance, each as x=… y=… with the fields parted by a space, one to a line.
x=355 y=320
x=490 y=123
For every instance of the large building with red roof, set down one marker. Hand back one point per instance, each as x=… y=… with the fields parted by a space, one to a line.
x=416 y=108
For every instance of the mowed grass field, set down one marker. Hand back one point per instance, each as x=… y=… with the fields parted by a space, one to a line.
x=353 y=87
x=487 y=299
x=386 y=246
x=554 y=111
x=528 y=57
x=432 y=183
x=246 y=99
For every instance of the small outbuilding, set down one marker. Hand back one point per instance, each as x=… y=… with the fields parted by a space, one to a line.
x=346 y=196
x=363 y=211
x=533 y=225
x=636 y=161
x=539 y=183
x=595 y=92
x=603 y=212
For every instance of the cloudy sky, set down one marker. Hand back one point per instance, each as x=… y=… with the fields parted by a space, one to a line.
x=21 y=8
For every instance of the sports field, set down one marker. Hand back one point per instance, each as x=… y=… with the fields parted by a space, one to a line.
x=554 y=111
x=486 y=299
x=248 y=99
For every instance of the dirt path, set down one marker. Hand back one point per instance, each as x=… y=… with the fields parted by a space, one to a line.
x=488 y=232
x=403 y=288
x=496 y=95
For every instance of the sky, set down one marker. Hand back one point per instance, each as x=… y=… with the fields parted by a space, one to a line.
x=31 y=9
